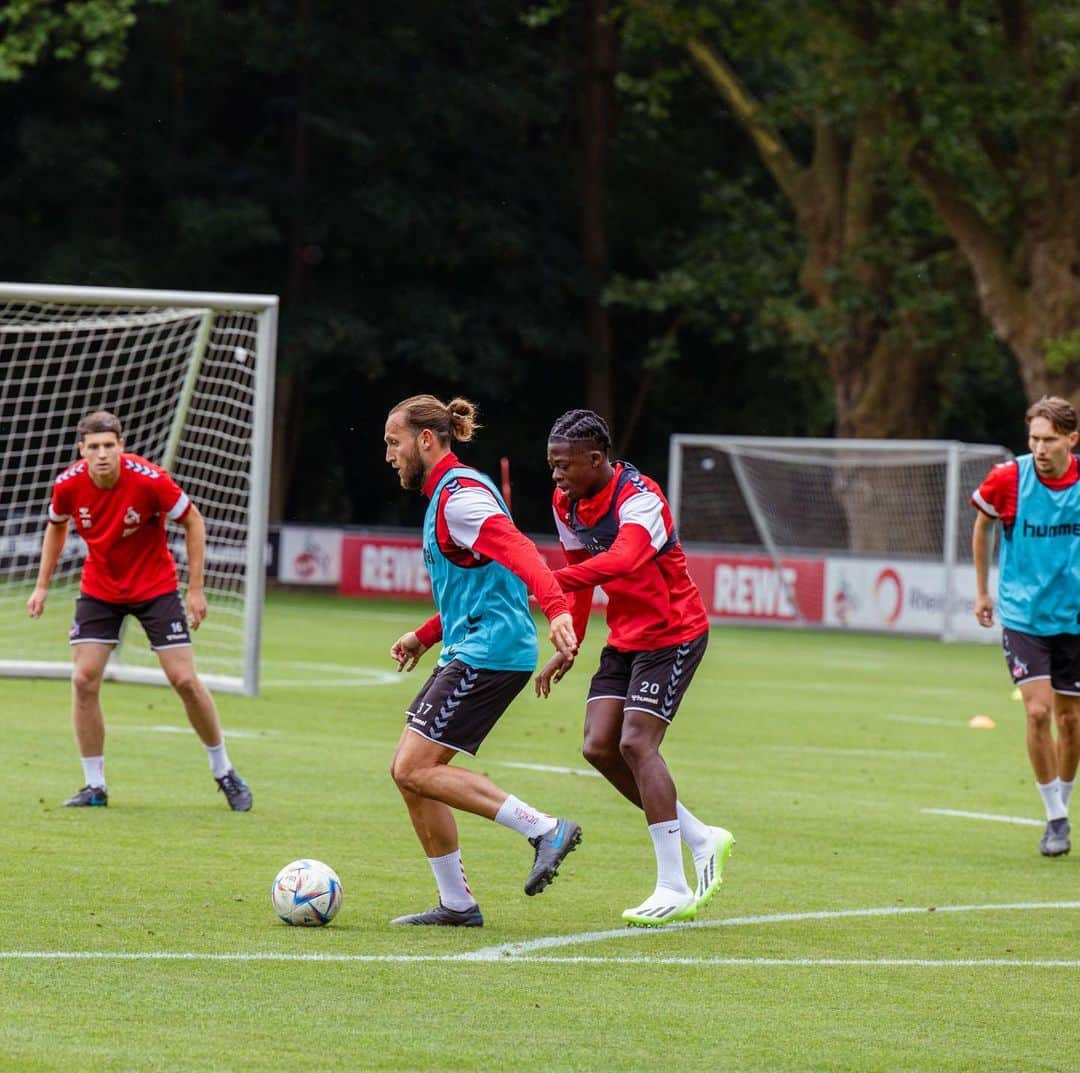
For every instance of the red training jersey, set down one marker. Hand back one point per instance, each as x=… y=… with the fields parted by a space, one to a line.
x=471 y=530
x=128 y=559
x=623 y=539
x=997 y=494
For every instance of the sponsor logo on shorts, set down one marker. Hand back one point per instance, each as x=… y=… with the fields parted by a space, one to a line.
x=74 y=631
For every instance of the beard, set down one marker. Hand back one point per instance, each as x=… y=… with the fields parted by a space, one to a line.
x=411 y=472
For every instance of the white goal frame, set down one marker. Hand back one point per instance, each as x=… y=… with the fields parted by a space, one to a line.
x=964 y=466
x=259 y=315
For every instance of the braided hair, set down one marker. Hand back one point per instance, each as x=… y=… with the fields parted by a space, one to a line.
x=578 y=425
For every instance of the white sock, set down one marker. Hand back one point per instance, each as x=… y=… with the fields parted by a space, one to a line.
x=219 y=759
x=694 y=833
x=454 y=890
x=1050 y=792
x=524 y=819
x=1066 y=792
x=94 y=770
x=667 y=842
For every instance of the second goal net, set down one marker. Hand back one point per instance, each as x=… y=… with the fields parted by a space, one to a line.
x=834 y=499
x=190 y=375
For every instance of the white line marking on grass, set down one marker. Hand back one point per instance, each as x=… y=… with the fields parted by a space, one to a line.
x=926 y=720
x=982 y=816
x=513 y=953
x=550 y=767
x=166 y=729
x=518 y=949
x=838 y=751
x=334 y=683
x=921 y=963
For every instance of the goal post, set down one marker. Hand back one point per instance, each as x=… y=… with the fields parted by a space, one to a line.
x=190 y=374
x=853 y=506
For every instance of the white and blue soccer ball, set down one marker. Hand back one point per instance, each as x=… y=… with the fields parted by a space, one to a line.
x=306 y=892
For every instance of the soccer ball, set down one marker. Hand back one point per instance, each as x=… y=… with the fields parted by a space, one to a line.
x=306 y=892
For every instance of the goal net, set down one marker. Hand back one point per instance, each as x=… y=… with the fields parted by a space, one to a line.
x=833 y=499
x=190 y=375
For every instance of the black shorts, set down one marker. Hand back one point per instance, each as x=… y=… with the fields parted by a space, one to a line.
x=653 y=682
x=162 y=618
x=1030 y=657
x=458 y=705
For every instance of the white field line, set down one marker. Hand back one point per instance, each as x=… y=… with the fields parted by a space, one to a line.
x=995 y=817
x=516 y=953
x=927 y=720
x=838 y=751
x=550 y=767
x=519 y=949
x=166 y=729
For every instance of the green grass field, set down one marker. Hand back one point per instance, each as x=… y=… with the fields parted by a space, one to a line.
x=855 y=929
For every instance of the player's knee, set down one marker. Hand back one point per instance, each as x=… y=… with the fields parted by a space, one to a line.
x=187 y=684
x=1038 y=714
x=599 y=752
x=85 y=683
x=408 y=778
x=636 y=748
x=1068 y=721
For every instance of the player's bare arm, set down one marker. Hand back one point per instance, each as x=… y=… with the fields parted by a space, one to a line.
x=982 y=536
x=552 y=672
x=52 y=544
x=195 y=539
x=406 y=651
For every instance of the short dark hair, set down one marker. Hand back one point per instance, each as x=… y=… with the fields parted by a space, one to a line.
x=1058 y=411
x=579 y=425
x=99 y=421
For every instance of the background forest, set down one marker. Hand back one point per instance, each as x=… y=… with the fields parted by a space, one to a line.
x=797 y=218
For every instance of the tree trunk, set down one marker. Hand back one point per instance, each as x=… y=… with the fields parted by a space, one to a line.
x=597 y=106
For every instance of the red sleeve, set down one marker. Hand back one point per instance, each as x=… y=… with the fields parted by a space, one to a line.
x=580 y=599
x=59 y=505
x=501 y=540
x=168 y=494
x=997 y=494
x=431 y=631
x=631 y=549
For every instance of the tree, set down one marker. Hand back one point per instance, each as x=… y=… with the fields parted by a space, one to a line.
x=977 y=103
x=94 y=30
x=883 y=301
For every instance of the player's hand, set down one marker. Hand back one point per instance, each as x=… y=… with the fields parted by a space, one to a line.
x=562 y=635
x=984 y=610
x=36 y=604
x=196 y=607
x=552 y=672
x=406 y=651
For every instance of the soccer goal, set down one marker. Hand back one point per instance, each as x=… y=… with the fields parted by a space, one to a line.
x=191 y=377
x=859 y=507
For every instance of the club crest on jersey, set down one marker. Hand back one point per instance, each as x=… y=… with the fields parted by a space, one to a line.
x=131 y=522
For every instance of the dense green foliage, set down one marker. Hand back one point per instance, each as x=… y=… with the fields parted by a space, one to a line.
x=823 y=778
x=407 y=178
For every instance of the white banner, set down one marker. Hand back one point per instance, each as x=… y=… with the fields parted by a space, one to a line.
x=310 y=556
x=892 y=595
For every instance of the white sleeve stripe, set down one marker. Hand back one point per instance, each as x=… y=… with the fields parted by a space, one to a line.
x=54 y=517
x=982 y=504
x=179 y=507
x=567 y=537
x=646 y=510
x=466 y=511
